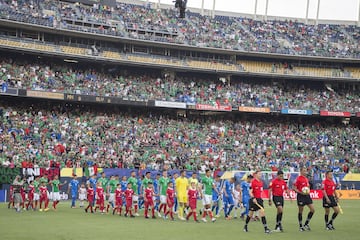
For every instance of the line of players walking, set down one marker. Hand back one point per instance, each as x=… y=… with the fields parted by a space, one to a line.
x=170 y=195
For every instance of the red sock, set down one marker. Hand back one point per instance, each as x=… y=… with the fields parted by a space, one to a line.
x=119 y=210
x=130 y=212
x=171 y=215
x=194 y=213
x=36 y=203
x=211 y=214
x=136 y=208
x=107 y=208
x=153 y=211
x=164 y=208
x=161 y=206
x=91 y=208
x=146 y=211
x=166 y=213
x=46 y=203
x=204 y=214
x=189 y=214
x=40 y=204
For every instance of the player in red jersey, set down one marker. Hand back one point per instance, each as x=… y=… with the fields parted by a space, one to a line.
x=118 y=199
x=149 y=200
x=192 y=194
x=170 y=200
x=100 y=198
x=90 y=197
x=303 y=199
x=256 y=203
x=23 y=196
x=129 y=193
x=43 y=197
x=11 y=197
x=277 y=188
x=31 y=191
x=330 y=199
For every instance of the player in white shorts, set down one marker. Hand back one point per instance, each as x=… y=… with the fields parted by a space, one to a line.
x=82 y=194
x=236 y=195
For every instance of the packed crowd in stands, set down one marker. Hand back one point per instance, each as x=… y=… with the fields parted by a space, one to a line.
x=42 y=75
x=128 y=20
x=65 y=135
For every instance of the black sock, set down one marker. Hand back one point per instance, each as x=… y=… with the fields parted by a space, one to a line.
x=326 y=218
x=263 y=220
x=280 y=218
x=300 y=219
x=247 y=220
x=310 y=214
x=333 y=218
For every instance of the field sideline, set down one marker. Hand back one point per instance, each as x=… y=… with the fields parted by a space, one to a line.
x=71 y=224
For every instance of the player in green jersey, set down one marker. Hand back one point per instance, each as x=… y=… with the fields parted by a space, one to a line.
x=56 y=184
x=208 y=185
x=163 y=186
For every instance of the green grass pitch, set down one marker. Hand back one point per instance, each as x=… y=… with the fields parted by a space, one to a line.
x=74 y=224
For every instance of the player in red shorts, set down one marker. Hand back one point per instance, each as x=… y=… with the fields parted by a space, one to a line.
x=100 y=198
x=118 y=199
x=170 y=200
x=90 y=197
x=43 y=197
x=193 y=194
x=330 y=200
x=149 y=200
x=31 y=191
x=23 y=196
x=129 y=193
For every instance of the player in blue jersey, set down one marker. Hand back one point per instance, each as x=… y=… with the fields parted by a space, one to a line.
x=228 y=197
x=172 y=180
x=245 y=195
x=73 y=188
x=92 y=182
x=156 y=190
x=140 y=193
x=216 y=196
x=123 y=184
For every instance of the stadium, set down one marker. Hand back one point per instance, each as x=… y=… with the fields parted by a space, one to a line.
x=93 y=87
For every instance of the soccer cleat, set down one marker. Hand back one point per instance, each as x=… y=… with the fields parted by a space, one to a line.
x=330 y=227
x=267 y=230
x=46 y=209
x=217 y=216
x=197 y=221
x=182 y=219
x=159 y=214
x=213 y=219
x=245 y=228
x=40 y=210
x=146 y=217
x=307 y=227
x=85 y=210
x=132 y=216
x=204 y=220
x=136 y=214
x=228 y=218
x=301 y=229
x=153 y=217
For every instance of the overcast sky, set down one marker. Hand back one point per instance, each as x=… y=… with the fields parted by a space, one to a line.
x=329 y=9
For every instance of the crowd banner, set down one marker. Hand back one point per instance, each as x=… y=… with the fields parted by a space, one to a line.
x=43 y=94
x=5 y=90
x=7 y=175
x=255 y=109
x=168 y=104
x=296 y=111
x=31 y=173
x=107 y=100
x=215 y=107
x=335 y=114
x=358 y=114
x=349 y=194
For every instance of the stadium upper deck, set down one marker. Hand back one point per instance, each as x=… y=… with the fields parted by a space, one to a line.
x=161 y=25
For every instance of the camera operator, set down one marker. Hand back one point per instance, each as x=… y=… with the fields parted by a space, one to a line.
x=17 y=185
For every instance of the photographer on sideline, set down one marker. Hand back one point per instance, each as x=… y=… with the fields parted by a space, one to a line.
x=17 y=185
